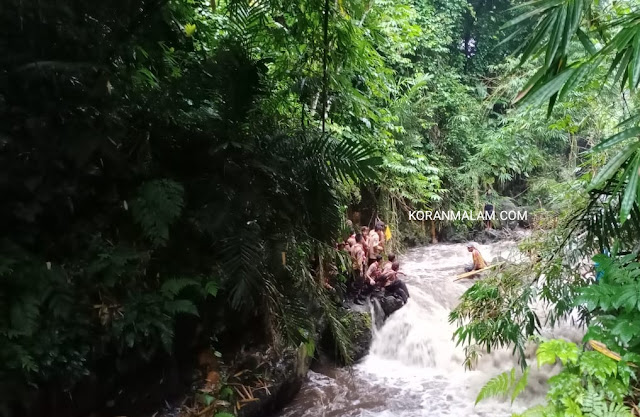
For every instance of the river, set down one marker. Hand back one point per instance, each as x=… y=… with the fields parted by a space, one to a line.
x=414 y=368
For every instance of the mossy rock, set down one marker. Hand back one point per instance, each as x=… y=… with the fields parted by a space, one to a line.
x=359 y=325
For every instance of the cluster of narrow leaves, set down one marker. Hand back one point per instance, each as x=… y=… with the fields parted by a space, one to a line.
x=589 y=385
x=496 y=313
x=556 y=23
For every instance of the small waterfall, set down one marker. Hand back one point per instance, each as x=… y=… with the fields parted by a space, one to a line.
x=414 y=368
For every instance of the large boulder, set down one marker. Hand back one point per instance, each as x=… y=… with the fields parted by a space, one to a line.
x=357 y=321
x=283 y=376
x=390 y=304
x=506 y=205
x=489 y=235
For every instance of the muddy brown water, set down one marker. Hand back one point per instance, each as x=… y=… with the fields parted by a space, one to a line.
x=414 y=368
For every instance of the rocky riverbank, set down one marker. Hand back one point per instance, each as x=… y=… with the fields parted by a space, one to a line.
x=285 y=376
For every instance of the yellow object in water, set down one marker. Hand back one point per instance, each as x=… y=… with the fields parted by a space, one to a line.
x=387 y=233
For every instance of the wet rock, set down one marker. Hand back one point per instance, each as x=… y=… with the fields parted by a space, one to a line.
x=458 y=237
x=378 y=312
x=284 y=376
x=489 y=235
x=527 y=211
x=357 y=321
x=362 y=328
x=390 y=304
x=498 y=259
x=506 y=205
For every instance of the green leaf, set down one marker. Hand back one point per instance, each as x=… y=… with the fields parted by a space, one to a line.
x=158 y=205
x=617 y=139
x=581 y=71
x=609 y=170
x=181 y=307
x=631 y=190
x=499 y=385
x=533 y=45
x=596 y=364
x=586 y=42
x=556 y=38
x=520 y=385
x=537 y=411
x=547 y=352
x=524 y=16
x=634 y=64
x=628 y=297
x=171 y=287
x=211 y=288
x=574 y=18
x=545 y=90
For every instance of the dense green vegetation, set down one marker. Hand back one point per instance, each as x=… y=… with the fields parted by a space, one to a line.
x=176 y=173
x=576 y=47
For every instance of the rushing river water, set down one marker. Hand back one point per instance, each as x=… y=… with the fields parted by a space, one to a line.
x=414 y=368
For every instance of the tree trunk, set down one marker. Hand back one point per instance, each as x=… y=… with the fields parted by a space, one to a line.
x=434 y=237
x=325 y=57
x=573 y=152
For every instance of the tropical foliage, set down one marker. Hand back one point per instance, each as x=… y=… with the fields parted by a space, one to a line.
x=578 y=46
x=175 y=174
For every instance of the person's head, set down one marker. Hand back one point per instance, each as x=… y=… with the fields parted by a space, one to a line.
x=395 y=266
x=379 y=227
x=358 y=238
x=391 y=257
x=470 y=247
x=378 y=258
x=364 y=230
x=350 y=229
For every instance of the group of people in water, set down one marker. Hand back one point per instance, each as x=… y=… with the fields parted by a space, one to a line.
x=375 y=270
x=371 y=271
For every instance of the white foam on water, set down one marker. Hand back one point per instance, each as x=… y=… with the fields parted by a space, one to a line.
x=414 y=368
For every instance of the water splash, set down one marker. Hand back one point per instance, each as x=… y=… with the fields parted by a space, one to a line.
x=414 y=368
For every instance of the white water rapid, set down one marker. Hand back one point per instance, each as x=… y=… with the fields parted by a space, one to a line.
x=414 y=368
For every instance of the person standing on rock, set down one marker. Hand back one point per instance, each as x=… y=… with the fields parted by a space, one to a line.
x=358 y=259
x=358 y=256
x=488 y=211
x=488 y=214
x=380 y=226
x=364 y=230
x=375 y=248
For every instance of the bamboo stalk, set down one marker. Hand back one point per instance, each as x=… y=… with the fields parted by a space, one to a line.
x=472 y=273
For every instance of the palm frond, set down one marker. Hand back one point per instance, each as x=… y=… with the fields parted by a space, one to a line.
x=243 y=266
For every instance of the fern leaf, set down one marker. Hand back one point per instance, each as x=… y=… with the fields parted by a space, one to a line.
x=520 y=385
x=158 y=205
x=172 y=287
x=174 y=307
x=593 y=403
x=537 y=411
x=601 y=367
x=211 y=288
x=499 y=385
